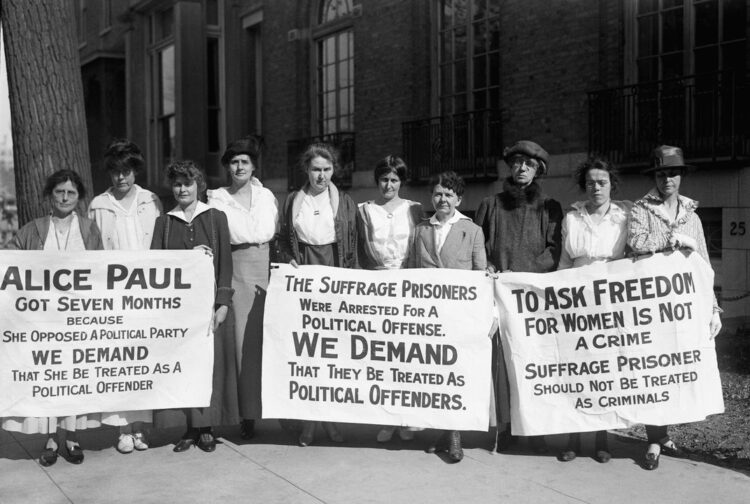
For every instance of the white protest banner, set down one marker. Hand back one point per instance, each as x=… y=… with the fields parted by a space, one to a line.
x=404 y=347
x=99 y=331
x=609 y=345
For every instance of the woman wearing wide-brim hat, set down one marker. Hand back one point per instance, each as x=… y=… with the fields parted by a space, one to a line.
x=664 y=220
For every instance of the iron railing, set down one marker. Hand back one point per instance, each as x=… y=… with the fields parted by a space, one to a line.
x=706 y=115
x=342 y=177
x=469 y=143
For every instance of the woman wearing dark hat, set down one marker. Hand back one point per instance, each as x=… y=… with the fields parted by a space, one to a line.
x=521 y=226
x=664 y=220
x=252 y=215
x=318 y=226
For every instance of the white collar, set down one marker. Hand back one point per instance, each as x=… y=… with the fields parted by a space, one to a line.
x=178 y=212
x=456 y=217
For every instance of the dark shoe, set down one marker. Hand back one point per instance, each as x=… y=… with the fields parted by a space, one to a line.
x=651 y=461
x=183 y=445
x=247 y=429
x=75 y=454
x=602 y=456
x=567 y=455
x=601 y=448
x=308 y=434
x=670 y=449
x=48 y=457
x=333 y=433
x=538 y=445
x=455 y=452
x=207 y=442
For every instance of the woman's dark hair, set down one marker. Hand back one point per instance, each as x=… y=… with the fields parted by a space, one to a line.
x=597 y=163
x=390 y=164
x=252 y=145
x=189 y=170
x=449 y=180
x=122 y=155
x=324 y=150
x=62 y=176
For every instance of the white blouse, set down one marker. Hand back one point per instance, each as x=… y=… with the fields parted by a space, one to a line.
x=391 y=233
x=315 y=221
x=585 y=242
x=257 y=225
x=70 y=240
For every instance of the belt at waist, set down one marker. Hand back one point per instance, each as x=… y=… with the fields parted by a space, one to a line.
x=242 y=246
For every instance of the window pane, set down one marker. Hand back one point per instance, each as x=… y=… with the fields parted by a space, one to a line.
x=459 y=12
x=343 y=46
x=671 y=66
x=733 y=56
x=166 y=81
x=164 y=23
x=706 y=23
x=672 y=31
x=666 y=4
x=212 y=68
x=479 y=9
x=735 y=19
x=460 y=103
x=706 y=60
x=344 y=102
x=479 y=100
x=446 y=79
x=648 y=33
x=460 y=42
x=647 y=6
x=446 y=15
x=494 y=34
x=460 y=76
x=480 y=38
x=446 y=105
x=494 y=59
x=480 y=72
x=212 y=12
x=648 y=69
x=446 y=46
x=333 y=9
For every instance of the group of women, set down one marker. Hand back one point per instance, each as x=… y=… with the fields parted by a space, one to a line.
x=241 y=227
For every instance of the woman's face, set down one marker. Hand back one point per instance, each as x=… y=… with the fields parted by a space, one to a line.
x=598 y=187
x=122 y=181
x=389 y=185
x=668 y=181
x=319 y=173
x=444 y=201
x=241 y=168
x=185 y=191
x=523 y=170
x=64 y=198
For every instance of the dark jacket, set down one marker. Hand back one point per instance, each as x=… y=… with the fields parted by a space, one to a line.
x=345 y=224
x=522 y=229
x=32 y=235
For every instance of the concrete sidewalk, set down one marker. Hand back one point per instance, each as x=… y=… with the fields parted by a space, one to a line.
x=272 y=469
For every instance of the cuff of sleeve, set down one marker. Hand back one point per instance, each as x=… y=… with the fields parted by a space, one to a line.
x=224 y=295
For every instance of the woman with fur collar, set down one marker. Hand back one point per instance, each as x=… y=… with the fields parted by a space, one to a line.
x=522 y=228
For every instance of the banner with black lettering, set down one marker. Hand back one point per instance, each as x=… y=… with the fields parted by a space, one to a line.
x=610 y=345
x=404 y=347
x=100 y=331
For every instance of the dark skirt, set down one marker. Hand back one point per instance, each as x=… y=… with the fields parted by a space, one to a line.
x=223 y=409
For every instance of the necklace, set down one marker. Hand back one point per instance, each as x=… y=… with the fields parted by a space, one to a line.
x=59 y=232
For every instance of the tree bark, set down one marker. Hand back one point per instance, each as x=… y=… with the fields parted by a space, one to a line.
x=46 y=98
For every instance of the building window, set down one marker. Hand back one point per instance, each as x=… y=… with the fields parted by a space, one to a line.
x=213 y=99
x=336 y=83
x=106 y=15
x=82 y=14
x=468 y=55
x=167 y=130
x=331 y=10
x=714 y=31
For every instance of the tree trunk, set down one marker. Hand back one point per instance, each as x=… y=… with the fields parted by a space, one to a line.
x=46 y=98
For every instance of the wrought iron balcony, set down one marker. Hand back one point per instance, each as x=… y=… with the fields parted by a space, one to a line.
x=469 y=143
x=342 y=177
x=706 y=115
